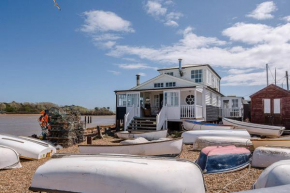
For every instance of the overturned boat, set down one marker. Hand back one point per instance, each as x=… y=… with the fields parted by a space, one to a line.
x=9 y=158
x=118 y=174
x=272 y=142
x=149 y=135
x=166 y=147
x=190 y=137
x=26 y=149
x=217 y=159
x=276 y=174
x=256 y=129
x=205 y=141
x=276 y=189
x=195 y=125
x=50 y=145
x=265 y=156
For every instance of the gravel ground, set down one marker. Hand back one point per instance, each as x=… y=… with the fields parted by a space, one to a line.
x=19 y=180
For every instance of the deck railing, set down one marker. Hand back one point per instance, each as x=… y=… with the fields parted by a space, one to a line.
x=230 y=112
x=161 y=118
x=187 y=111
x=129 y=117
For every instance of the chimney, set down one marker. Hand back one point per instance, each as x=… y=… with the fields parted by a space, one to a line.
x=138 y=79
x=180 y=69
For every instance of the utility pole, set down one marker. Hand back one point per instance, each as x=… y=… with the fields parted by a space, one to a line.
x=287 y=80
x=275 y=76
x=267 y=74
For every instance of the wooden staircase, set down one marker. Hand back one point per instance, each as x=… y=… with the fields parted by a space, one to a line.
x=143 y=123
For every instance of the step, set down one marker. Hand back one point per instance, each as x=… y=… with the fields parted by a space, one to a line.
x=143 y=122
x=145 y=118
x=142 y=125
x=141 y=128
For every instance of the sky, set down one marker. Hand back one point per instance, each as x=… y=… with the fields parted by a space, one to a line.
x=81 y=54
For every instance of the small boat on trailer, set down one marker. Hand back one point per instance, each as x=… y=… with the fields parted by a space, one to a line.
x=9 y=158
x=276 y=174
x=118 y=174
x=171 y=147
x=272 y=142
x=190 y=137
x=256 y=129
x=217 y=159
x=276 y=189
x=149 y=135
x=265 y=156
x=205 y=141
x=195 y=125
x=27 y=149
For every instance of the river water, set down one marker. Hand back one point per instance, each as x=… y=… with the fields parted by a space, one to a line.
x=27 y=125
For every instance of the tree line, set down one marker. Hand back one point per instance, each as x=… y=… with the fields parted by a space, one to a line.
x=35 y=108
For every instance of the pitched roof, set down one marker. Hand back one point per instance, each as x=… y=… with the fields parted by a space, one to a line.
x=273 y=86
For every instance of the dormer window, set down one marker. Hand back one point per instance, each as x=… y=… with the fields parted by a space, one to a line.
x=169 y=73
x=170 y=84
x=196 y=75
x=158 y=85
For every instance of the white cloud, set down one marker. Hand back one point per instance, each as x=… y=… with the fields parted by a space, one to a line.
x=156 y=9
x=142 y=74
x=136 y=66
x=108 y=44
x=263 y=11
x=114 y=72
x=239 y=71
x=105 y=37
x=287 y=18
x=103 y=21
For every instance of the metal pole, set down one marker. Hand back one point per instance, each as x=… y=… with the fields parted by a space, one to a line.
x=267 y=74
x=287 y=80
x=275 y=76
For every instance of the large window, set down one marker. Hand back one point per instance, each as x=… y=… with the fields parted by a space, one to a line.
x=132 y=99
x=267 y=105
x=169 y=73
x=158 y=85
x=170 y=84
x=277 y=106
x=235 y=103
x=171 y=99
x=121 y=100
x=196 y=75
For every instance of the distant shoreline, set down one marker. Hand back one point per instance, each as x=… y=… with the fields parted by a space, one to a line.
x=39 y=114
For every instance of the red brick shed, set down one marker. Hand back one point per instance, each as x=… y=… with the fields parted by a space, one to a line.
x=271 y=106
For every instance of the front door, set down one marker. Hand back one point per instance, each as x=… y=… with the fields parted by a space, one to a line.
x=172 y=101
x=133 y=103
x=161 y=101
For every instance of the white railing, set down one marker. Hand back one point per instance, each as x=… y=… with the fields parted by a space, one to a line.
x=129 y=117
x=161 y=118
x=198 y=111
x=231 y=112
x=187 y=111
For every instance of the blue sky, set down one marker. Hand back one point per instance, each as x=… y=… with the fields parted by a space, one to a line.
x=90 y=48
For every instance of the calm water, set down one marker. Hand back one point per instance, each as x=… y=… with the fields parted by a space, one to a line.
x=27 y=125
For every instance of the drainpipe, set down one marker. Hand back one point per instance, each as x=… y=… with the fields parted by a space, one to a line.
x=180 y=69
x=138 y=79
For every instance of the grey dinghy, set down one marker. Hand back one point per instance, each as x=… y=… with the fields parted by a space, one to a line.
x=9 y=158
x=171 y=147
x=118 y=174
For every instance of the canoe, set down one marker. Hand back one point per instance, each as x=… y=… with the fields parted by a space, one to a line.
x=171 y=147
x=276 y=174
x=217 y=159
x=149 y=135
x=195 y=125
x=118 y=174
x=52 y=147
x=26 y=149
x=272 y=142
x=276 y=189
x=189 y=137
x=206 y=141
x=9 y=158
x=256 y=129
x=265 y=156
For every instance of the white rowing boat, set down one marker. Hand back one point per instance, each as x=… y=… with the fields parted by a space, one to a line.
x=26 y=149
x=149 y=135
x=190 y=137
x=276 y=174
x=118 y=174
x=265 y=156
x=9 y=158
x=256 y=129
x=272 y=142
x=195 y=125
x=172 y=147
x=276 y=189
x=205 y=141
x=52 y=147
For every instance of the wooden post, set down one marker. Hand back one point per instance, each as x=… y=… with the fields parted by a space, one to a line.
x=99 y=132
x=89 y=140
x=91 y=120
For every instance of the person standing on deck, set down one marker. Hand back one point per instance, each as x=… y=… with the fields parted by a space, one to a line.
x=43 y=121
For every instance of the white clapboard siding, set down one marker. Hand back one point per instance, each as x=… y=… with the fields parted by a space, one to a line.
x=214 y=100
x=207 y=97
x=267 y=106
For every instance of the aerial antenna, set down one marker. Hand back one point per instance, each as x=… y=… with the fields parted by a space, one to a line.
x=267 y=74
x=56 y=4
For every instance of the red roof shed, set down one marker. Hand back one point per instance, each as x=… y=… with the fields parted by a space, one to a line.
x=271 y=106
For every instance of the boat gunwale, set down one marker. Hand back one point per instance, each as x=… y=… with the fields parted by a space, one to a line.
x=209 y=124
x=140 y=132
x=23 y=138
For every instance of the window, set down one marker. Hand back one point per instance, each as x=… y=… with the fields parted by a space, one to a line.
x=121 y=100
x=190 y=100
x=235 y=103
x=132 y=99
x=169 y=73
x=156 y=101
x=158 y=85
x=277 y=106
x=196 y=75
x=226 y=104
x=267 y=106
x=212 y=80
x=170 y=84
x=171 y=99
